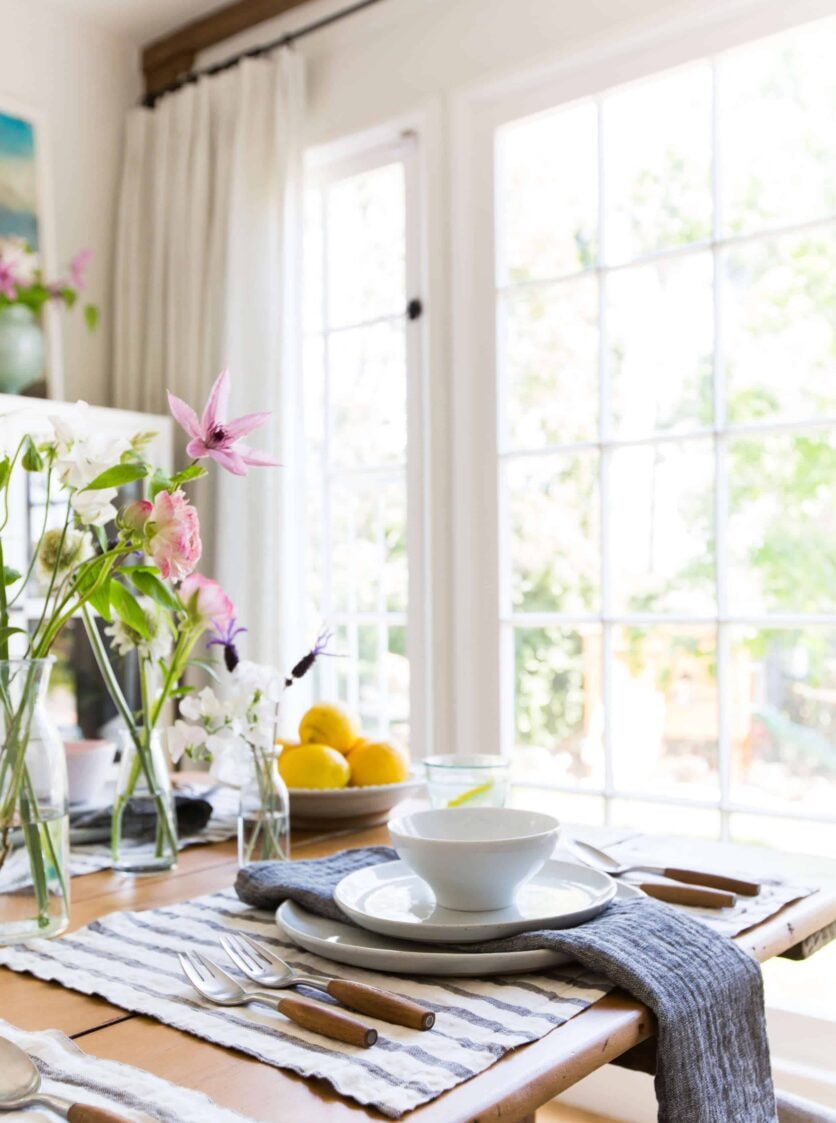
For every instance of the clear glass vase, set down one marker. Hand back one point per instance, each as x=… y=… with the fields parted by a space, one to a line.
x=263 y=813
x=144 y=828
x=34 y=819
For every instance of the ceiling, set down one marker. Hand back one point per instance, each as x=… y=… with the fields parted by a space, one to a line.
x=140 y=20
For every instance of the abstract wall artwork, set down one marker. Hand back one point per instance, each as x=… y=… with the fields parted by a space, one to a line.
x=18 y=179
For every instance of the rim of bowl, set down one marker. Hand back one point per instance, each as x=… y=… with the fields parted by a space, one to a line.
x=470 y=762
x=394 y=827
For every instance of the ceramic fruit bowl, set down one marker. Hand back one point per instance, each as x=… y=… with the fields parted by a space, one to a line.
x=320 y=806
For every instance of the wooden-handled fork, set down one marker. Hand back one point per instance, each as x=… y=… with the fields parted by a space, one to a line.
x=217 y=986
x=266 y=969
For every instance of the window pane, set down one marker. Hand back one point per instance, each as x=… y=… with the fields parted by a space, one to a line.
x=778 y=144
x=790 y=835
x=660 y=328
x=662 y=527
x=782 y=533
x=657 y=159
x=552 y=505
x=366 y=246
x=663 y=726
x=779 y=326
x=569 y=807
x=547 y=180
x=558 y=706
x=397 y=686
x=656 y=818
x=367 y=377
x=784 y=719
x=548 y=349
x=368 y=545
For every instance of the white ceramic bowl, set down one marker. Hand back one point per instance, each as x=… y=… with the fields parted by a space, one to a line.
x=89 y=767
x=475 y=858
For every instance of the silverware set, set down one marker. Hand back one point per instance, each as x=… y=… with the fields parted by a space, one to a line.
x=679 y=887
x=269 y=973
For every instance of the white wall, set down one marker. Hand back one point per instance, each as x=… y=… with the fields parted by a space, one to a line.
x=82 y=79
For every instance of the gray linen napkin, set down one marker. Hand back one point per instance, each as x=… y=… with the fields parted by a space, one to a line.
x=707 y=994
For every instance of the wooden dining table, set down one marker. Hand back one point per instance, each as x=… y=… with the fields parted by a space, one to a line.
x=615 y=1029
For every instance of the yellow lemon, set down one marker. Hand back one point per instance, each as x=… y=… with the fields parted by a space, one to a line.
x=284 y=746
x=325 y=724
x=377 y=764
x=314 y=766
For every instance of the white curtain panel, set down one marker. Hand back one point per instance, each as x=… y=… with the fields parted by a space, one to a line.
x=207 y=277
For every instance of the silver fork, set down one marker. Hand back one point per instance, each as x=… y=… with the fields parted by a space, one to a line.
x=217 y=986
x=268 y=970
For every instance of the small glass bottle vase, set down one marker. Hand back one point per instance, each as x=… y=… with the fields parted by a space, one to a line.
x=144 y=828
x=263 y=813
x=34 y=821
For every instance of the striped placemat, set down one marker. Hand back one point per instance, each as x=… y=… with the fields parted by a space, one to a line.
x=130 y=959
x=136 y=1095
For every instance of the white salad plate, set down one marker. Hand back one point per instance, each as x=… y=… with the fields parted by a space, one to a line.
x=357 y=947
x=390 y=899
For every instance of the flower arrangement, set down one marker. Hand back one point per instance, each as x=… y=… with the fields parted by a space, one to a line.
x=140 y=578
x=22 y=280
x=175 y=607
x=235 y=728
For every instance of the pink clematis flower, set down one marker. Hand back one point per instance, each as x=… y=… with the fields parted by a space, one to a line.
x=206 y=602
x=174 y=535
x=78 y=268
x=8 y=286
x=216 y=437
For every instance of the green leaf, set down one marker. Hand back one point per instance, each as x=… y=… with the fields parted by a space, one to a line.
x=32 y=460
x=10 y=575
x=91 y=316
x=116 y=476
x=5 y=470
x=147 y=582
x=193 y=472
x=128 y=611
x=160 y=482
x=5 y=633
x=100 y=600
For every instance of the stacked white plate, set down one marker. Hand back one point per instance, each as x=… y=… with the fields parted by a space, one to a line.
x=401 y=928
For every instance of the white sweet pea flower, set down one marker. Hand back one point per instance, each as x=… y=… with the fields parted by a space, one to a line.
x=94 y=508
x=83 y=452
x=183 y=738
x=157 y=646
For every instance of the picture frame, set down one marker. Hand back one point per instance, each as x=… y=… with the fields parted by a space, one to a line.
x=26 y=123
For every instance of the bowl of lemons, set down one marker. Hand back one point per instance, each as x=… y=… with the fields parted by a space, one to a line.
x=333 y=772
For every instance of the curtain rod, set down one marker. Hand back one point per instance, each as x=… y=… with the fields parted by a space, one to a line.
x=150 y=100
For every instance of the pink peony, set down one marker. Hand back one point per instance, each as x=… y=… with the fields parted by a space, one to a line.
x=174 y=535
x=206 y=601
x=136 y=515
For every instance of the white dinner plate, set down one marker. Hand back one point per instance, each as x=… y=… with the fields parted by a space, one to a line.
x=357 y=947
x=389 y=898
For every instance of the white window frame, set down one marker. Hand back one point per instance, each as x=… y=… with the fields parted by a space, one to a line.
x=484 y=710
x=328 y=163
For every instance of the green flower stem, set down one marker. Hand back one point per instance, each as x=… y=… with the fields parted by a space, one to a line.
x=139 y=737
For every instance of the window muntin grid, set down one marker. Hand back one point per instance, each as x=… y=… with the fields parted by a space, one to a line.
x=577 y=449
x=355 y=386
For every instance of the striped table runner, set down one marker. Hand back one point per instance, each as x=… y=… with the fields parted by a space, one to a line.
x=130 y=959
x=76 y=1076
